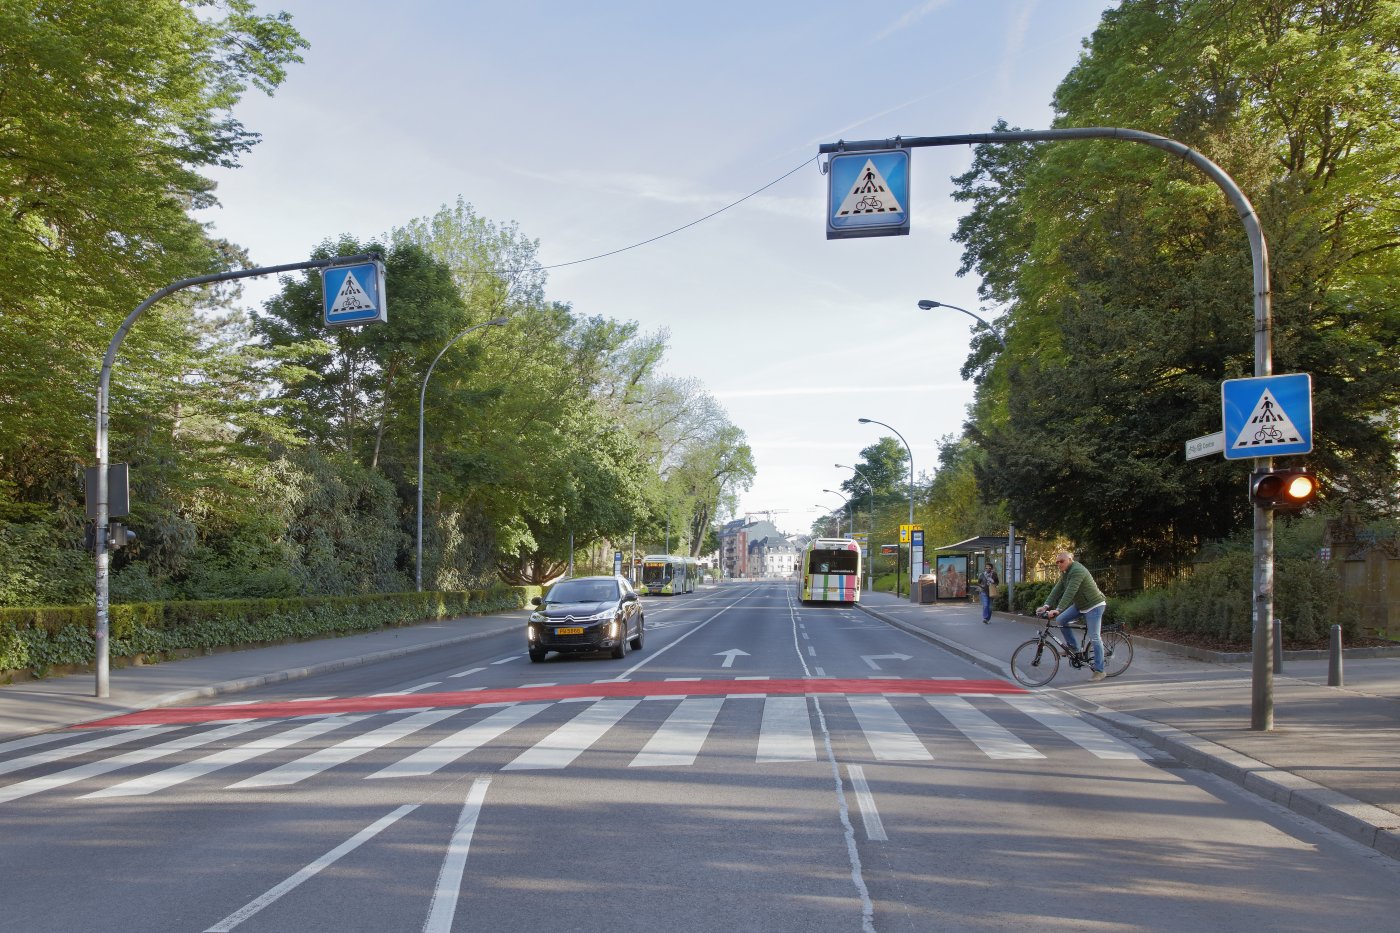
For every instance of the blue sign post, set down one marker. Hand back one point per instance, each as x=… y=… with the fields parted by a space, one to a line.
x=1267 y=416
x=354 y=294
x=867 y=194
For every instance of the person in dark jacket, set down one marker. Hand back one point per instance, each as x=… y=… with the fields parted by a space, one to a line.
x=988 y=580
x=1075 y=595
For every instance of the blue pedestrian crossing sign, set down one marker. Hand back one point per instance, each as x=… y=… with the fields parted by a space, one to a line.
x=1267 y=416
x=354 y=294
x=867 y=194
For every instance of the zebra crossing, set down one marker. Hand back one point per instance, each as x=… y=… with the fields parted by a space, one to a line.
x=895 y=727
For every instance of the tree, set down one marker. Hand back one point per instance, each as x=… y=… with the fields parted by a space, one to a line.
x=1128 y=276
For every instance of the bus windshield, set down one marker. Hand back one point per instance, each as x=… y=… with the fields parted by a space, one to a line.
x=656 y=571
x=838 y=562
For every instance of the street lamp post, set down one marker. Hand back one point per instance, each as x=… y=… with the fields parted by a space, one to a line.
x=422 y=398
x=870 y=535
x=911 y=503
x=1010 y=568
x=850 y=519
x=838 y=517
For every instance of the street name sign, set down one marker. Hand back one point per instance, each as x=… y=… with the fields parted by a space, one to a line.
x=354 y=294
x=867 y=194
x=1205 y=446
x=1267 y=416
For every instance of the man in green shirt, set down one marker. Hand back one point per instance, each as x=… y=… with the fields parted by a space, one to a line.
x=1075 y=595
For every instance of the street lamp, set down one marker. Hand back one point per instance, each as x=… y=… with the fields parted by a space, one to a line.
x=911 y=501
x=928 y=305
x=870 y=537
x=850 y=519
x=422 y=398
x=828 y=513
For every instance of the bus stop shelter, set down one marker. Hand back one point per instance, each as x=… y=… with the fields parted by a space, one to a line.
x=957 y=565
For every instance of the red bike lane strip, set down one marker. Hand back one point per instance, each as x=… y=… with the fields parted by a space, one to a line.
x=642 y=688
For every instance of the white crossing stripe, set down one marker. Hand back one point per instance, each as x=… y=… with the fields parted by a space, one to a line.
x=561 y=747
x=350 y=749
x=869 y=813
x=445 y=751
x=786 y=731
x=889 y=735
x=161 y=780
x=73 y=751
x=678 y=740
x=1091 y=738
x=139 y=756
x=977 y=726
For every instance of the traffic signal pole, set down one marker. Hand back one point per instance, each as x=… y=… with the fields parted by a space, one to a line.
x=1262 y=700
x=104 y=387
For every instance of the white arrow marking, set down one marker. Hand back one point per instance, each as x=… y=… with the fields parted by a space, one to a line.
x=730 y=655
x=872 y=658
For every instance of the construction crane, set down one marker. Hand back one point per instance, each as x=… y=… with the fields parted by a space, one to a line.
x=767 y=512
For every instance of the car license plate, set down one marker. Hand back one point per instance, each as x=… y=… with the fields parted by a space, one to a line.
x=578 y=630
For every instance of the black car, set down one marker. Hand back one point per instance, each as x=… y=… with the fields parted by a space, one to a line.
x=586 y=614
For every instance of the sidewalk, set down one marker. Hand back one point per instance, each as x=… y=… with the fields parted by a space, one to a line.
x=55 y=703
x=1334 y=752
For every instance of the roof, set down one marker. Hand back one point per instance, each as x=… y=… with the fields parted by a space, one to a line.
x=982 y=543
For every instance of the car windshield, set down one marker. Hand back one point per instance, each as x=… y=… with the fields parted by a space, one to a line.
x=583 y=591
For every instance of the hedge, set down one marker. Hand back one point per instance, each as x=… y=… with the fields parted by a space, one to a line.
x=41 y=638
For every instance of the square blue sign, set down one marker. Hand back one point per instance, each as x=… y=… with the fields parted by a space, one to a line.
x=1267 y=416
x=867 y=194
x=354 y=294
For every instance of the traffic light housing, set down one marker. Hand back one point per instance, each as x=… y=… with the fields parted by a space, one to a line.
x=1282 y=489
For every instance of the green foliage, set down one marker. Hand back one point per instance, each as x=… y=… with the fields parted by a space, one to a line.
x=42 y=638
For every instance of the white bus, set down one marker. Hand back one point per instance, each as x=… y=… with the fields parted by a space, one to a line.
x=829 y=571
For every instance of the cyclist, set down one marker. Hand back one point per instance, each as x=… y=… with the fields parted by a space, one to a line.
x=1076 y=594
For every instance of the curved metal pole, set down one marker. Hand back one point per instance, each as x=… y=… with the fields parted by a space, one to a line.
x=422 y=398
x=1010 y=564
x=870 y=535
x=850 y=519
x=911 y=502
x=104 y=391
x=1262 y=694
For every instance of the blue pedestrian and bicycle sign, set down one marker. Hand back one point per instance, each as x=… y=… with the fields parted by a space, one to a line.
x=1267 y=416
x=354 y=294
x=867 y=194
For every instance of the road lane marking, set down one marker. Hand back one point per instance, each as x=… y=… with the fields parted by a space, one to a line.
x=445 y=751
x=311 y=870
x=981 y=730
x=404 y=693
x=296 y=771
x=785 y=734
x=869 y=813
x=653 y=655
x=514 y=657
x=210 y=763
x=454 y=865
x=572 y=739
x=680 y=737
x=467 y=673
x=1092 y=739
x=139 y=756
x=72 y=751
x=888 y=735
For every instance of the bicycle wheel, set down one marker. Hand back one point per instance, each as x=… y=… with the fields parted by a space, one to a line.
x=1117 y=653
x=1035 y=663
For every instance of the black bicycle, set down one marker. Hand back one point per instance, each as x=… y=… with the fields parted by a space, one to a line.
x=1036 y=662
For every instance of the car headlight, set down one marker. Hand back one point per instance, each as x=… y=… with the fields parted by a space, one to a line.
x=599 y=616
x=537 y=617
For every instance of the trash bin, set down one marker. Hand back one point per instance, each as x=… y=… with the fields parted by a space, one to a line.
x=926 y=590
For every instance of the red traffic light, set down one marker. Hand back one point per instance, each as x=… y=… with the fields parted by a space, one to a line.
x=1283 y=489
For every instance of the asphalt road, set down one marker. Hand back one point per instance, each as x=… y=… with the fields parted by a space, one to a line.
x=759 y=765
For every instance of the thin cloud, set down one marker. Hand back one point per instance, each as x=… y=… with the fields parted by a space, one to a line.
x=909 y=19
x=833 y=390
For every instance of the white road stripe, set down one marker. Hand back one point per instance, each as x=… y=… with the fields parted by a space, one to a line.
x=869 y=814
x=210 y=763
x=445 y=751
x=310 y=871
x=316 y=762
x=474 y=670
x=515 y=657
x=561 y=747
x=449 y=883
x=977 y=726
x=72 y=751
x=889 y=735
x=139 y=756
x=1081 y=733
x=786 y=731
x=680 y=737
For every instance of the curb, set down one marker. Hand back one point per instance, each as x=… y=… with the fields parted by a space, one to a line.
x=325 y=667
x=1371 y=826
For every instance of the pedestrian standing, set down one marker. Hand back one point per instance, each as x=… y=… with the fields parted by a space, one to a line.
x=1076 y=594
x=989 y=581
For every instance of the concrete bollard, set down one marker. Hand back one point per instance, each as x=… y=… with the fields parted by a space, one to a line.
x=1334 y=658
x=1278 y=646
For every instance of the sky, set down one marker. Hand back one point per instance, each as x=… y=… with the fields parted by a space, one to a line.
x=596 y=126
